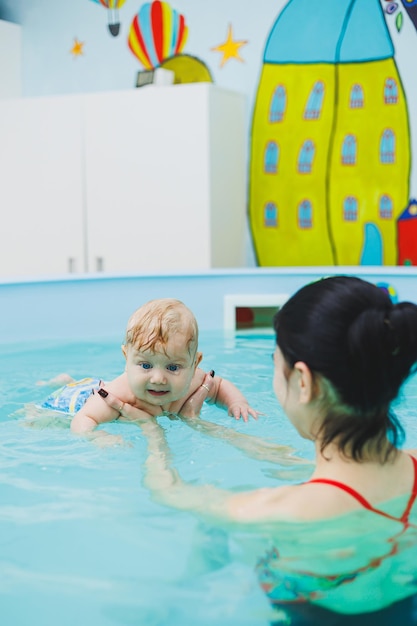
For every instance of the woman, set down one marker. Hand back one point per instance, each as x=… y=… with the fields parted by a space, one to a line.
x=343 y=352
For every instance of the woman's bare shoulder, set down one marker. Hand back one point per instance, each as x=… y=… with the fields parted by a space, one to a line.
x=301 y=502
x=267 y=503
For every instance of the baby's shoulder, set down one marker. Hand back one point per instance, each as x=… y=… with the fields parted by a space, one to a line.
x=119 y=386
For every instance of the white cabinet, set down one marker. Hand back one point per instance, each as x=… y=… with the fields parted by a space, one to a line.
x=10 y=60
x=41 y=187
x=152 y=179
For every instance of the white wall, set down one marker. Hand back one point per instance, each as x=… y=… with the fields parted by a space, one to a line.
x=97 y=307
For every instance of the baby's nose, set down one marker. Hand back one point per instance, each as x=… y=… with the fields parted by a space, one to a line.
x=158 y=376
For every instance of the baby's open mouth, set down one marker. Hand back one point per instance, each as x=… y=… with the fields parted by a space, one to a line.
x=154 y=392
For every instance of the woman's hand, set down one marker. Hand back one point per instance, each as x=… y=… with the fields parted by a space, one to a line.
x=192 y=407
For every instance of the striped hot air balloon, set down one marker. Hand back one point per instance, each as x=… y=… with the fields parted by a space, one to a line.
x=157 y=32
x=111 y=4
x=113 y=7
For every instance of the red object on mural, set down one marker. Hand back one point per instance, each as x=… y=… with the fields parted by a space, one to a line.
x=407 y=235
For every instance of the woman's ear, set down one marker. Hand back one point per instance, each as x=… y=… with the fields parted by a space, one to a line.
x=305 y=382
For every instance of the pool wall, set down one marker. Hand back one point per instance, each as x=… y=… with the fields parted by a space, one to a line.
x=98 y=305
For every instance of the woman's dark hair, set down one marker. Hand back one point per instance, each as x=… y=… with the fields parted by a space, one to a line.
x=350 y=333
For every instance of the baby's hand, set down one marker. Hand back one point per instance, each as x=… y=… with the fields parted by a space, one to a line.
x=242 y=409
x=236 y=408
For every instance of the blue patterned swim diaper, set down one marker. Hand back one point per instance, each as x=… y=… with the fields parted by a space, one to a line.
x=70 y=398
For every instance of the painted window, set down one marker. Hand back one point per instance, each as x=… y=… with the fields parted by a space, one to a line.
x=315 y=102
x=305 y=157
x=270 y=215
x=390 y=91
x=385 y=207
x=356 y=99
x=271 y=158
x=349 y=149
x=305 y=214
x=278 y=104
x=387 y=147
x=350 y=209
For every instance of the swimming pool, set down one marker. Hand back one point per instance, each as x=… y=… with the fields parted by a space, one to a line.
x=83 y=542
x=81 y=539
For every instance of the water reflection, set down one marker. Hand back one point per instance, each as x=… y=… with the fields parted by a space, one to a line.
x=356 y=569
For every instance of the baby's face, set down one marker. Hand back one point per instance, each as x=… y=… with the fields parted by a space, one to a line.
x=162 y=377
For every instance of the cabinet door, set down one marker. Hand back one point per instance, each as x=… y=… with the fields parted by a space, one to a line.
x=41 y=189
x=147 y=176
x=10 y=60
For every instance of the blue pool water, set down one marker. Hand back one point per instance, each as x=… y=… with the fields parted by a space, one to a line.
x=83 y=542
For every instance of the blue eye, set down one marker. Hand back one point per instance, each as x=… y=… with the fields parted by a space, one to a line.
x=146 y=366
x=173 y=368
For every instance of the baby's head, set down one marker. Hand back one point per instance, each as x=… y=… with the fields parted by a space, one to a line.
x=152 y=325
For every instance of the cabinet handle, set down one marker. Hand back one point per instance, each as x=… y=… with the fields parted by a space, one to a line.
x=99 y=264
x=71 y=264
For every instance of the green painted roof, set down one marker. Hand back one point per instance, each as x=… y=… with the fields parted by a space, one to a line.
x=329 y=31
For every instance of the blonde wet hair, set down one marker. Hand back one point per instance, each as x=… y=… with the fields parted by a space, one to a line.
x=152 y=325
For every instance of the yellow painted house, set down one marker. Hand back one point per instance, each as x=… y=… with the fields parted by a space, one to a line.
x=330 y=146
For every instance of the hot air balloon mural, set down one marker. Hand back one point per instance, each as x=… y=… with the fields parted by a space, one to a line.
x=157 y=37
x=157 y=32
x=113 y=7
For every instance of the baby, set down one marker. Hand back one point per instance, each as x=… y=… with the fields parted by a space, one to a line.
x=161 y=375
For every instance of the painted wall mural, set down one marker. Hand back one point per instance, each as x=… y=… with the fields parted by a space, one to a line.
x=157 y=32
x=330 y=142
x=77 y=49
x=331 y=94
x=230 y=48
x=411 y=7
x=112 y=7
x=157 y=36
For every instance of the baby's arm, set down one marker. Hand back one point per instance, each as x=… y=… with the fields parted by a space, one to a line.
x=100 y=408
x=254 y=447
x=92 y=414
x=225 y=395
x=219 y=391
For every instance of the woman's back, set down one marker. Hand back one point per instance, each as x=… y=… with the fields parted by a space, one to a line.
x=337 y=487
x=348 y=569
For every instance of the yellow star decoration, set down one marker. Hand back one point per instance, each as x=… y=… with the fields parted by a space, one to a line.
x=77 y=48
x=230 y=48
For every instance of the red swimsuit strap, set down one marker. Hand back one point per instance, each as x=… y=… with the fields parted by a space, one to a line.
x=413 y=495
x=355 y=494
x=364 y=502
